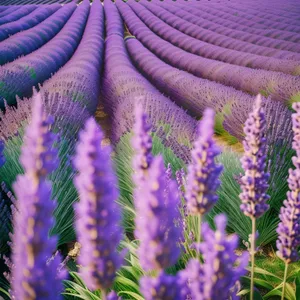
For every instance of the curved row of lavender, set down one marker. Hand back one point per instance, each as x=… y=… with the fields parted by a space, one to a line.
x=17 y=14
x=19 y=76
x=123 y=87
x=79 y=79
x=29 y=21
x=272 y=33
x=268 y=24
x=280 y=86
x=185 y=20
x=232 y=107
x=70 y=96
x=254 y=21
x=250 y=13
x=30 y=40
x=189 y=15
x=186 y=37
x=7 y=3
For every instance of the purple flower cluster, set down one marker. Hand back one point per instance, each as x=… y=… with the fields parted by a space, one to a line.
x=32 y=277
x=98 y=215
x=221 y=269
x=289 y=228
x=156 y=213
x=254 y=183
x=142 y=145
x=161 y=287
x=203 y=172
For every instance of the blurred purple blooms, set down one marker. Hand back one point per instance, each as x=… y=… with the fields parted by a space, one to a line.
x=254 y=183
x=98 y=214
x=156 y=213
x=162 y=287
x=32 y=277
x=289 y=228
x=221 y=269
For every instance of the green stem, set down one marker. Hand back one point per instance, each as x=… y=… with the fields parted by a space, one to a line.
x=252 y=256
x=198 y=239
x=199 y=227
x=284 y=280
x=103 y=294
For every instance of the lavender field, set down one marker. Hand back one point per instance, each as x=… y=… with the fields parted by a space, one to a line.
x=149 y=149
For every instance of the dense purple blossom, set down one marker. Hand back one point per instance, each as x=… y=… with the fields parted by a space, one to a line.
x=255 y=181
x=221 y=269
x=32 y=278
x=142 y=145
x=23 y=43
x=113 y=296
x=155 y=219
x=162 y=287
x=98 y=215
x=289 y=227
x=203 y=172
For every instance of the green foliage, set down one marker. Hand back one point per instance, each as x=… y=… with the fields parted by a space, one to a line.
x=229 y=201
x=123 y=158
x=269 y=271
x=64 y=191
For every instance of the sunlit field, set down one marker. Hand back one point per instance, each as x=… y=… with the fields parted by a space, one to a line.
x=149 y=149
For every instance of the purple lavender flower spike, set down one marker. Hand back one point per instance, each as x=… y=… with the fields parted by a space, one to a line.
x=289 y=228
x=113 y=296
x=142 y=144
x=155 y=217
x=221 y=269
x=98 y=214
x=38 y=157
x=203 y=172
x=31 y=277
x=255 y=181
x=162 y=287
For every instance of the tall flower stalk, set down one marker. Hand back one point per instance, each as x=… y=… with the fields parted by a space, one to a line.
x=203 y=172
x=157 y=209
x=289 y=227
x=254 y=183
x=221 y=268
x=32 y=277
x=98 y=216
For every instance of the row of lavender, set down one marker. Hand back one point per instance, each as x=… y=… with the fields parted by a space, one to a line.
x=189 y=91
x=163 y=40
x=71 y=96
x=36 y=2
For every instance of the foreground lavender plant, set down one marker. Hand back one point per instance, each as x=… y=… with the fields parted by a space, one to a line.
x=142 y=145
x=254 y=183
x=289 y=228
x=98 y=218
x=163 y=287
x=156 y=213
x=32 y=277
x=221 y=269
x=203 y=172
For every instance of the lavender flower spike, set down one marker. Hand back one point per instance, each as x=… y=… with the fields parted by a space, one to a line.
x=156 y=213
x=32 y=277
x=255 y=181
x=221 y=269
x=163 y=287
x=203 y=172
x=289 y=228
x=98 y=215
x=142 y=144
